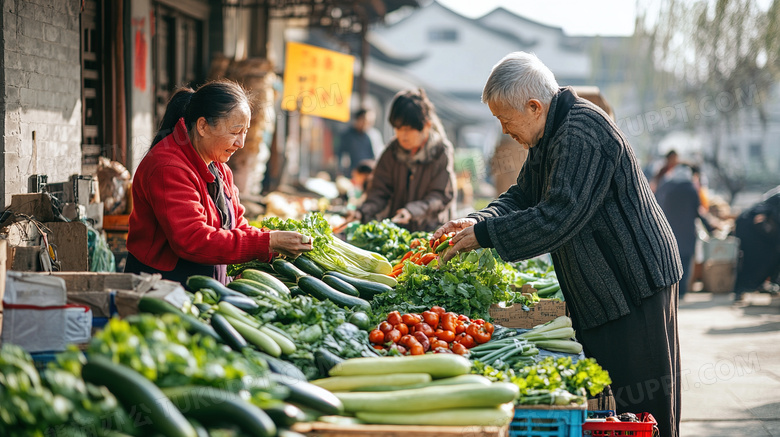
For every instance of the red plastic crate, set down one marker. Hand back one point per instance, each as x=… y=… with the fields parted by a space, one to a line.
x=621 y=429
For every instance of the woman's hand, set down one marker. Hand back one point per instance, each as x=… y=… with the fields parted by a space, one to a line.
x=463 y=241
x=289 y=243
x=402 y=216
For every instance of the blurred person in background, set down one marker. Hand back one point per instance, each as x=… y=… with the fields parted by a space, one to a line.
x=355 y=143
x=414 y=179
x=671 y=161
x=758 y=230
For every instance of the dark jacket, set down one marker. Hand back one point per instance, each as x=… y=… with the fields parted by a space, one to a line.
x=680 y=202
x=357 y=145
x=582 y=197
x=424 y=184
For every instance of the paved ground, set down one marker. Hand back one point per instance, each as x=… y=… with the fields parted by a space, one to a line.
x=731 y=365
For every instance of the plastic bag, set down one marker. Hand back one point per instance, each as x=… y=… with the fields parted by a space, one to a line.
x=101 y=259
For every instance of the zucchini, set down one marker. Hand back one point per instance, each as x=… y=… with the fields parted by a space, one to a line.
x=311 y=396
x=288 y=270
x=243 y=303
x=419 y=399
x=307 y=265
x=351 y=383
x=282 y=368
x=322 y=291
x=296 y=291
x=285 y=415
x=200 y=282
x=203 y=307
x=326 y=360
x=455 y=380
x=285 y=344
x=266 y=279
x=133 y=391
x=229 y=335
x=250 y=288
x=212 y=407
x=256 y=337
x=191 y=323
x=367 y=289
x=498 y=416
x=340 y=285
x=437 y=365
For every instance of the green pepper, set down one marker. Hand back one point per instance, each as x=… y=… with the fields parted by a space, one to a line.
x=443 y=245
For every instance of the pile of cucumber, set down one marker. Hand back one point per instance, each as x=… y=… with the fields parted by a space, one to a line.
x=433 y=389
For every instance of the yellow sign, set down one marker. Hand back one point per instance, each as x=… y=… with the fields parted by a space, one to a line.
x=317 y=81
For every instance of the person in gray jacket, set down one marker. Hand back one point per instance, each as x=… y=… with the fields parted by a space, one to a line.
x=582 y=197
x=414 y=180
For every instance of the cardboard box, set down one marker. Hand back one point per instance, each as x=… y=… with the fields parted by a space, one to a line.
x=24 y=258
x=515 y=317
x=38 y=289
x=38 y=205
x=719 y=276
x=71 y=241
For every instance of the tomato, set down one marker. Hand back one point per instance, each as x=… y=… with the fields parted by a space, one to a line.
x=442 y=350
x=449 y=321
x=460 y=328
x=463 y=318
x=438 y=310
x=417 y=349
x=402 y=328
x=411 y=319
x=431 y=318
x=411 y=341
x=466 y=340
x=488 y=327
x=426 y=345
x=478 y=332
x=401 y=350
x=448 y=336
x=420 y=336
x=392 y=336
x=427 y=258
x=385 y=327
x=379 y=347
x=425 y=328
x=394 y=318
x=404 y=341
x=376 y=336
x=459 y=349
x=436 y=344
x=478 y=321
x=414 y=243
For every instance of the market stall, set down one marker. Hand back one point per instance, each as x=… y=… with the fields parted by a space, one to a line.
x=365 y=335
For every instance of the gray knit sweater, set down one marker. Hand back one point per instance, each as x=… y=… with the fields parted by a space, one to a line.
x=582 y=197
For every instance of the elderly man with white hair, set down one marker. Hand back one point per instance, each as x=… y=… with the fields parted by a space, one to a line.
x=582 y=197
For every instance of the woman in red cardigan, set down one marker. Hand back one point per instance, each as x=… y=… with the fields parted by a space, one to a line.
x=186 y=218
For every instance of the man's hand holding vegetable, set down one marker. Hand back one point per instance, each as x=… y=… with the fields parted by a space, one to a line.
x=463 y=241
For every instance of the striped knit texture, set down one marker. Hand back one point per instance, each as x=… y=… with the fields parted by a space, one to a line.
x=582 y=197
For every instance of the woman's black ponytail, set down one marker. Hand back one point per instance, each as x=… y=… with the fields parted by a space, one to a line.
x=177 y=105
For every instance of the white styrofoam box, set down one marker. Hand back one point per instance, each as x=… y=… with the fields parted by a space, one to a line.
x=42 y=329
x=39 y=289
x=726 y=249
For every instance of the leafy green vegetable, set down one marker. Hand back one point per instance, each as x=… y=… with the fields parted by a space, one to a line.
x=385 y=238
x=468 y=285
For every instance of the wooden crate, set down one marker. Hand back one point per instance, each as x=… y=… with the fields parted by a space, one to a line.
x=321 y=429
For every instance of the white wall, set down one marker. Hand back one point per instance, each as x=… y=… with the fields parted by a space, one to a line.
x=142 y=129
x=41 y=92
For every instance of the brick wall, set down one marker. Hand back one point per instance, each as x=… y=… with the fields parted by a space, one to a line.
x=40 y=92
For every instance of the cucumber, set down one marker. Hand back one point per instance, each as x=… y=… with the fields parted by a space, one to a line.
x=455 y=380
x=229 y=335
x=296 y=291
x=285 y=415
x=243 y=303
x=134 y=391
x=202 y=307
x=288 y=270
x=199 y=282
x=419 y=399
x=311 y=396
x=498 y=416
x=307 y=265
x=266 y=279
x=340 y=285
x=326 y=360
x=437 y=365
x=191 y=323
x=322 y=291
x=282 y=368
x=212 y=406
x=351 y=383
x=367 y=289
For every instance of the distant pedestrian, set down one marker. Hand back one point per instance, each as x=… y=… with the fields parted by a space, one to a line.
x=758 y=230
x=355 y=143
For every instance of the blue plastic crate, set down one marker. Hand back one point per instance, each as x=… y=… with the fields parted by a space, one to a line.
x=547 y=422
x=41 y=360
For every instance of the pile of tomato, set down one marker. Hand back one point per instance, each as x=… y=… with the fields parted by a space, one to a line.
x=436 y=330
